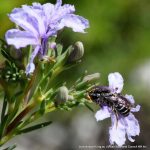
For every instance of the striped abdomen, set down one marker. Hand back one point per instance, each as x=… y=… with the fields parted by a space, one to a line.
x=122 y=105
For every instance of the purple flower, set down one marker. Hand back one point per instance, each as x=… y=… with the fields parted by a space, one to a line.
x=122 y=125
x=39 y=22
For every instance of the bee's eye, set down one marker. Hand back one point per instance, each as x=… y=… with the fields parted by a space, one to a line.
x=94 y=95
x=98 y=95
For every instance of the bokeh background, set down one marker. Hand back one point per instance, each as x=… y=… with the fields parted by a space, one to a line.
x=118 y=40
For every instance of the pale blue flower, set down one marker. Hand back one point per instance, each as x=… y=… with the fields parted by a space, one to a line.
x=39 y=22
x=124 y=125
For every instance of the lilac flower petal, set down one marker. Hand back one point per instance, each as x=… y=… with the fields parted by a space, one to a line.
x=136 y=109
x=34 y=53
x=48 y=9
x=58 y=14
x=102 y=114
x=130 y=98
x=132 y=127
x=63 y=11
x=117 y=131
x=52 y=33
x=39 y=19
x=37 y=5
x=30 y=67
x=67 y=9
x=43 y=12
x=115 y=82
x=24 y=20
x=20 y=38
x=77 y=23
x=38 y=9
x=58 y=3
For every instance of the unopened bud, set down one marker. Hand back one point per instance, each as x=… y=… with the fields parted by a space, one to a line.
x=52 y=45
x=77 y=52
x=91 y=77
x=62 y=95
x=87 y=79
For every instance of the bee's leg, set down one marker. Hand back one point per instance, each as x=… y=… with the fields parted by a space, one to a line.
x=116 y=114
x=100 y=104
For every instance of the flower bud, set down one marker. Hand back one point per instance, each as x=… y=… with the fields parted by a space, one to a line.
x=62 y=95
x=77 y=52
x=52 y=45
x=91 y=77
x=87 y=79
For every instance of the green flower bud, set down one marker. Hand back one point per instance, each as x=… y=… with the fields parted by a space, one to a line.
x=52 y=45
x=77 y=52
x=62 y=95
x=86 y=80
x=81 y=104
x=91 y=77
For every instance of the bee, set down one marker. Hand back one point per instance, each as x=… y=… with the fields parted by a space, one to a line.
x=103 y=96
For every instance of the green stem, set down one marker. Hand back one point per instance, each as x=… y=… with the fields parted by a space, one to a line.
x=31 y=119
x=10 y=107
x=17 y=120
x=28 y=89
x=11 y=128
x=4 y=140
x=54 y=74
x=50 y=76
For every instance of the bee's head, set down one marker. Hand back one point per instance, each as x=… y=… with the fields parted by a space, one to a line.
x=98 y=91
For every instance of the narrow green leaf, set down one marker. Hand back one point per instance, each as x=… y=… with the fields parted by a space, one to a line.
x=2 y=42
x=16 y=95
x=59 y=49
x=89 y=107
x=4 y=108
x=5 y=54
x=35 y=127
x=2 y=125
x=42 y=107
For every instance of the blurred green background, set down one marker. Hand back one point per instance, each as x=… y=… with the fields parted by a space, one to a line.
x=118 y=40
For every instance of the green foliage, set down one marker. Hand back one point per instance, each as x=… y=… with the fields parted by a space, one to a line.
x=35 y=127
x=28 y=98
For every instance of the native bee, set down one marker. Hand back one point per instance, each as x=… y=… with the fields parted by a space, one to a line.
x=103 y=96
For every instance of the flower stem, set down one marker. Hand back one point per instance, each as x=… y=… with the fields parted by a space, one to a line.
x=36 y=115
x=17 y=120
